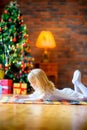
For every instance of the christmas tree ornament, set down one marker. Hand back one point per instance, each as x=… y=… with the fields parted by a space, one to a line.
x=9 y=19
x=0 y=29
x=5 y=11
x=14 y=39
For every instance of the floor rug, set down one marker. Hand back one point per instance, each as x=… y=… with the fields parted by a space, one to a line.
x=13 y=100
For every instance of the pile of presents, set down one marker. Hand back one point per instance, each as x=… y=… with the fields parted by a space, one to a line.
x=8 y=87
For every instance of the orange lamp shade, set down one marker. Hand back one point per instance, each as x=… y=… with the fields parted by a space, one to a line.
x=45 y=40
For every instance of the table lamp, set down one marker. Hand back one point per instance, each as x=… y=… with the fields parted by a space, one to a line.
x=45 y=40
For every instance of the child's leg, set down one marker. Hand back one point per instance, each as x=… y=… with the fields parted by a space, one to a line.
x=78 y=86
x=82 y=87
x=77 y=89
x=76 y=76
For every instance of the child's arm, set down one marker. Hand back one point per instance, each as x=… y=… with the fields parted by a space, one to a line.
x=32 y=97
x=22 y=96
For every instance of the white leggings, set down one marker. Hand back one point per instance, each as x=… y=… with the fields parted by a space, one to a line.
x=80 y=87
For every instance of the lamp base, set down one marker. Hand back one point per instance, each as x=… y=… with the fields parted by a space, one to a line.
x=45 y=56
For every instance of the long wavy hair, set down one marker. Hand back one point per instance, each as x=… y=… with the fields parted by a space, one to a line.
x=40 y=78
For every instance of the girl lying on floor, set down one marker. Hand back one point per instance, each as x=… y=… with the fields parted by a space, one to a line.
x=46 y=90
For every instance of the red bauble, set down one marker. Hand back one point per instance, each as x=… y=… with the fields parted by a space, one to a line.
x=19 y=17
x=0 y=29
x=9 y=19
x=1 y=66
x=6 y=68
x=14 y=39
x=28 y=40
x=19 y=36
x=5 y=11
x=24 y=45
x=25 y=36
x=21 y=23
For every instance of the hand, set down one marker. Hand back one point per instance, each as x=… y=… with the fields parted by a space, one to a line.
x=21 y=96
x=39 y=100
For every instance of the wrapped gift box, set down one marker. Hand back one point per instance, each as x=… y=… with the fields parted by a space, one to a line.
x=1 y=73
x=6 y=86
x=0 y=87
x=20 y=88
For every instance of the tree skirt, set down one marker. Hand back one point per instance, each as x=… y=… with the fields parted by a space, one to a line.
x=16 y=100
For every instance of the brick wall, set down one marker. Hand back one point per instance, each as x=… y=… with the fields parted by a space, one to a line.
x=67 y=20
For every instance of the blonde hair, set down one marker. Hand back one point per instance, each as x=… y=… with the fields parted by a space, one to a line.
x=42 y=81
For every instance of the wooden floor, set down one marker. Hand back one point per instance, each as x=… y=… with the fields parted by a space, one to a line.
x=43 y=117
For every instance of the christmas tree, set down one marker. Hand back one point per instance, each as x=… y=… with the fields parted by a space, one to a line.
x=15 y=51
